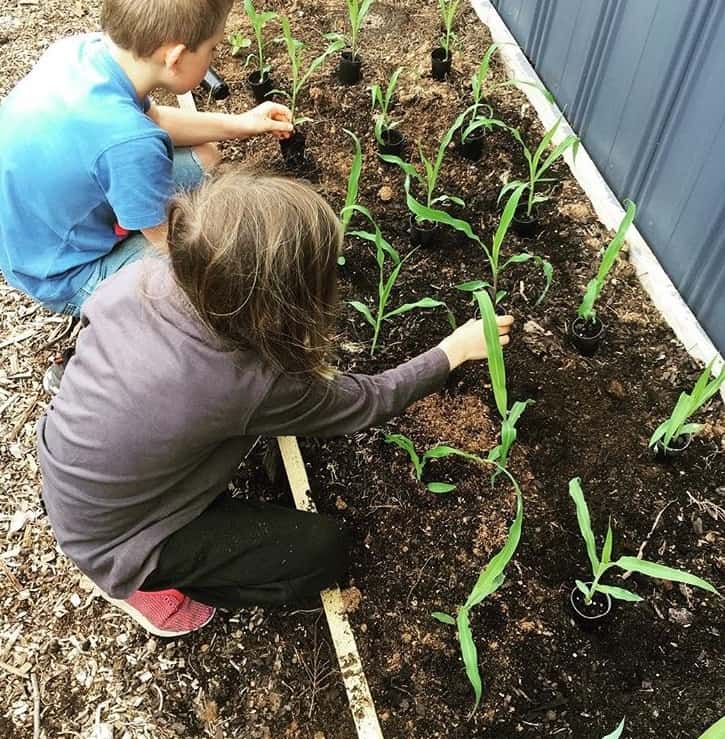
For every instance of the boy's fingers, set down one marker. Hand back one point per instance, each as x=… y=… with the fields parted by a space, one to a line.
x=280 y=126
x=504 y=339
x=506 y=320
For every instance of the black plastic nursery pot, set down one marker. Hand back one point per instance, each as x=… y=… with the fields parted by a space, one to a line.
x=440 y=63
x=593 y=616
x=472 y=147
x=349 y=70
x=586 y=335
x=525 y=225
x=260 y=85
x=675 y=448
x=214 y=84
x=293 y=149
x=393 y=142
x=422 y=233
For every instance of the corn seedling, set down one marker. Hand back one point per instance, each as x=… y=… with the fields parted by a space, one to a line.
x=448 y=10
x=601 y=563
x=353 y=182
x=382 y=102
x=237 y=43
x=437 y=452
x=716 y=731
x=300 y=78
x=497 y=370
x=474 y=120
x=258 y=21
x=356 y=12
x=494 y=256
x=595 y=285
x=384 y=253
x=687 y=404
x=617 y=732
x=490 y=579
x=538 y=164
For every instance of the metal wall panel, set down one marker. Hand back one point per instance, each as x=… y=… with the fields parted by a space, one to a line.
x=643 y=83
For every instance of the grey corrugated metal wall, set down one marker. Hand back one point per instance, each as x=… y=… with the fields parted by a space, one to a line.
x=643 y=83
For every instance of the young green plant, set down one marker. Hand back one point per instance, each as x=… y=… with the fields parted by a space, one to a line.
x=676 y=425
x=258 y=20
x=238 y=43
x=497 y=371
x=617 y=732
x=439 y=451
x=300 y=78
x=595 y=285
x=356 y=12
x=539 y=165
x=384 y=253
x=448 y=10
x=602 y=563
x=490 y=579
x=382 y=101
x=474 y=120
x=353 y=182
x=494 y=256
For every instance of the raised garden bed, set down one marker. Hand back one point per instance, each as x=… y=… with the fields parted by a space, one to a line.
x=274 y=674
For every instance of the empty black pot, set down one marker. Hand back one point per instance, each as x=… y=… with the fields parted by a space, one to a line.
x=293 y=149
x=586 y=335
x=472 y=147
x=590 y=617
x=525 y=225
x=214 y=83
x=349 y=71
x=422 y=233
x=261 y=86
x=393 y=142
x=440 y=63
x=675 y=449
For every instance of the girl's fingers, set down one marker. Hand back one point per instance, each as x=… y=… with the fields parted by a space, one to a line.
x=504 y=339
x=504 y=320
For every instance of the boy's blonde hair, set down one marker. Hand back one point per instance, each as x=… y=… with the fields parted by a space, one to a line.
x=256 y=255
x=142 y=26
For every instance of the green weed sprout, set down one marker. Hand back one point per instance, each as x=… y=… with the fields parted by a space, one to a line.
x=258 y=21
x=356 y=11
x=538 y=165
x=436 y=452
x=494 y=256
x=617 y=732
x=383 y=101
x=295 y=50
x=238 y=43
x=490 y=579
x=687 y=404
x=602 y=563
x=497 y=370
x=448 y=10
x=716 y=731
x=384 y=250
x=595 y=285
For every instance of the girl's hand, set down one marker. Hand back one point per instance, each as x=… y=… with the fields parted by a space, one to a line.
x=266 y=118
x=467 y=341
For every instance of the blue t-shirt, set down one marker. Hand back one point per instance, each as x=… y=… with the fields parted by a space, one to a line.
x=78 y=154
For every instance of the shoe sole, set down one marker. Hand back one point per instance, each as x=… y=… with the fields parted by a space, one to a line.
x=140 y=619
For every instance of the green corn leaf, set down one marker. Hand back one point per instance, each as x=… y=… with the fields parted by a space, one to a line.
x=422 y=303
x=392 y=84
x=500 y=295
x=440 y=487
x=690 y=428
x=659 y=433
x=585 y=526
x=520 y=83
x=444 y=618
x=508 y=213
x=407 y=167
x=517 y=409
x=548 y=271
x=517 y=259
x=496 y=366
x=473 y=286
x=353 y=182
x=662 y=572
x=404 y=443
x=678 y=417
x=570 y=141
x=716 y=731
x=543 y=146
x=509 y=186
x=582 y=588
x=619 y=593
x=617 y=732
x=469 y=654
x=362 y=308
x=442 y=450
x=607 y=548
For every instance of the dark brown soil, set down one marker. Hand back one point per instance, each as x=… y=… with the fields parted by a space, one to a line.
x=274 y=674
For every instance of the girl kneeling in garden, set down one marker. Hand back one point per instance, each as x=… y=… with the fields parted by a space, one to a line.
x=179 y=366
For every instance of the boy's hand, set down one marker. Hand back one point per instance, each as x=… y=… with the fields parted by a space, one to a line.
x=467 y=341
x=266 y=118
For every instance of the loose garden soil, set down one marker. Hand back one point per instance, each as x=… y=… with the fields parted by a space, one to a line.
x=273 y=674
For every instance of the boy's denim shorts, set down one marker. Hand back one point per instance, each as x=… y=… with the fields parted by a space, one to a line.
x=187 y=174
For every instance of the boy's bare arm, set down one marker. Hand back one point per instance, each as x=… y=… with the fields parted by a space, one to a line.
x=189 y=128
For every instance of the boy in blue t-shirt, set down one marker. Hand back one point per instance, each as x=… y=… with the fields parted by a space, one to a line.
x=87 y=157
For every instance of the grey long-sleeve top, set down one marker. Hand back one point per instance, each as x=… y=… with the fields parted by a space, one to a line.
x=152 y=420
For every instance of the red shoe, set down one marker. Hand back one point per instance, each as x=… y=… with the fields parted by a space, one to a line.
x=164 y=612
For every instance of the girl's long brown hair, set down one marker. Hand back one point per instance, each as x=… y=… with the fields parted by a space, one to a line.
x=256 y=256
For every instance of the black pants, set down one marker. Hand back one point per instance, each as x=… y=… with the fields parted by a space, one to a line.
x=239 y=554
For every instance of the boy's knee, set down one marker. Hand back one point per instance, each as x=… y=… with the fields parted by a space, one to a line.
x=209 y=155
